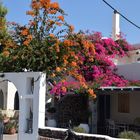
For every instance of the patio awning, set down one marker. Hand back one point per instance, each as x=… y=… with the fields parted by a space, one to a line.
x=118 y=90
x=112 y=88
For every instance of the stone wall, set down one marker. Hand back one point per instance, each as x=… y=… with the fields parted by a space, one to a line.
x=50 y=134
x=46 y=138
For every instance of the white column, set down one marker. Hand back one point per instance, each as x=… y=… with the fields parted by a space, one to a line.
x=39 y=103
x=116 y=26
x=30 y=101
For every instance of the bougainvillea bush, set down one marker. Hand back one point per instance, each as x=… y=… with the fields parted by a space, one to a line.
x=104 y=69
x=37 y=45
x=44 y=45
x=101 y=71
x=78 y=62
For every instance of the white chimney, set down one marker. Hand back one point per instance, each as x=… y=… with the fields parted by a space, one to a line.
x=116 y=26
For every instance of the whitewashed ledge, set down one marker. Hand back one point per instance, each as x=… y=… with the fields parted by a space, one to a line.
x=84 y=134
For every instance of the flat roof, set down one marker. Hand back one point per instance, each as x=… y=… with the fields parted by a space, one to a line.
x=110 y=88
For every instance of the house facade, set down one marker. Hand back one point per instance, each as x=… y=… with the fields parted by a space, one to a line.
x=120 y=104
x=117 y=103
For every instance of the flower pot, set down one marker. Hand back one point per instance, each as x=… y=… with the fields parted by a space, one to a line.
x=12 y=131
x=51 y=123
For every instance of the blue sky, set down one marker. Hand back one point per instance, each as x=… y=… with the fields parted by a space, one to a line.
x=87 y=14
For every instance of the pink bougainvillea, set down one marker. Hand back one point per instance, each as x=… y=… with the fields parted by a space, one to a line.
x=100 y=72
x=103 y=69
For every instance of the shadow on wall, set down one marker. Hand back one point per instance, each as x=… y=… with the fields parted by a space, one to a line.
x=16 y=101
x=1 y=99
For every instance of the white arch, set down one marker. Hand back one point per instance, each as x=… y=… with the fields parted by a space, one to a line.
x=11 y=90
x=23 y=83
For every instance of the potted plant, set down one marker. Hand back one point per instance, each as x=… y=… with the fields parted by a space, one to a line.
x=5 y=118
x=10 y=127
x=51 y=122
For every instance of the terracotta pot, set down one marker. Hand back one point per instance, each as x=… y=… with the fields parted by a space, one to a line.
x=12 y=131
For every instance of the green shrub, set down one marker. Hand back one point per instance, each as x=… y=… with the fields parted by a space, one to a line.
x=129 y=135
x=79 y=130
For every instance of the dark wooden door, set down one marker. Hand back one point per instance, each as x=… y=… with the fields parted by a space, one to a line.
x=103 y=110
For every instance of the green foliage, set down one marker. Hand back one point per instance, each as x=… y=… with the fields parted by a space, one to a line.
x=12 y=124
x=79 y=130
x=3 y=27
x=129 y=135
x=37 y=46
x=3 y=12
x=9 y=121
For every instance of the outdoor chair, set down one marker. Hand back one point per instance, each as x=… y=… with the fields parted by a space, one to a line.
x=111 y=128
x=136 y=123
x=122 y=127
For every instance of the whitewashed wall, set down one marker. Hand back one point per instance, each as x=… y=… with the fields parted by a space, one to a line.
x=11 y=95
x=130 y=71
x=132 y=58
x=31 y=98
x=9 y=90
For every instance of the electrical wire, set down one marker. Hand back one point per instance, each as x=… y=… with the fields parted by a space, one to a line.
x=121 y=14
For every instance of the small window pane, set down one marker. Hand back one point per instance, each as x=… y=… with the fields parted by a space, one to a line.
x=123 y=103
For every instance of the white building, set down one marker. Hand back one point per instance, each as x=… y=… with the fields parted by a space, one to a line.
x=32 y=89
x=118 y=104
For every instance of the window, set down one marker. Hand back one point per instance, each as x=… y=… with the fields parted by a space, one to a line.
x=123 y=103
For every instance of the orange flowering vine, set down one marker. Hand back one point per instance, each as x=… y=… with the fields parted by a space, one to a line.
x=52 y=35
x=71 y=28
x=35 y=4
x=91 y=93
x=24 y=32
x=48 y=44
x=6 y=53
x=61 y=18
x=58 y=69
x=26 y=42
x=54 y=5
x=81 y=52
x=73 y=64
x=31 y=13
